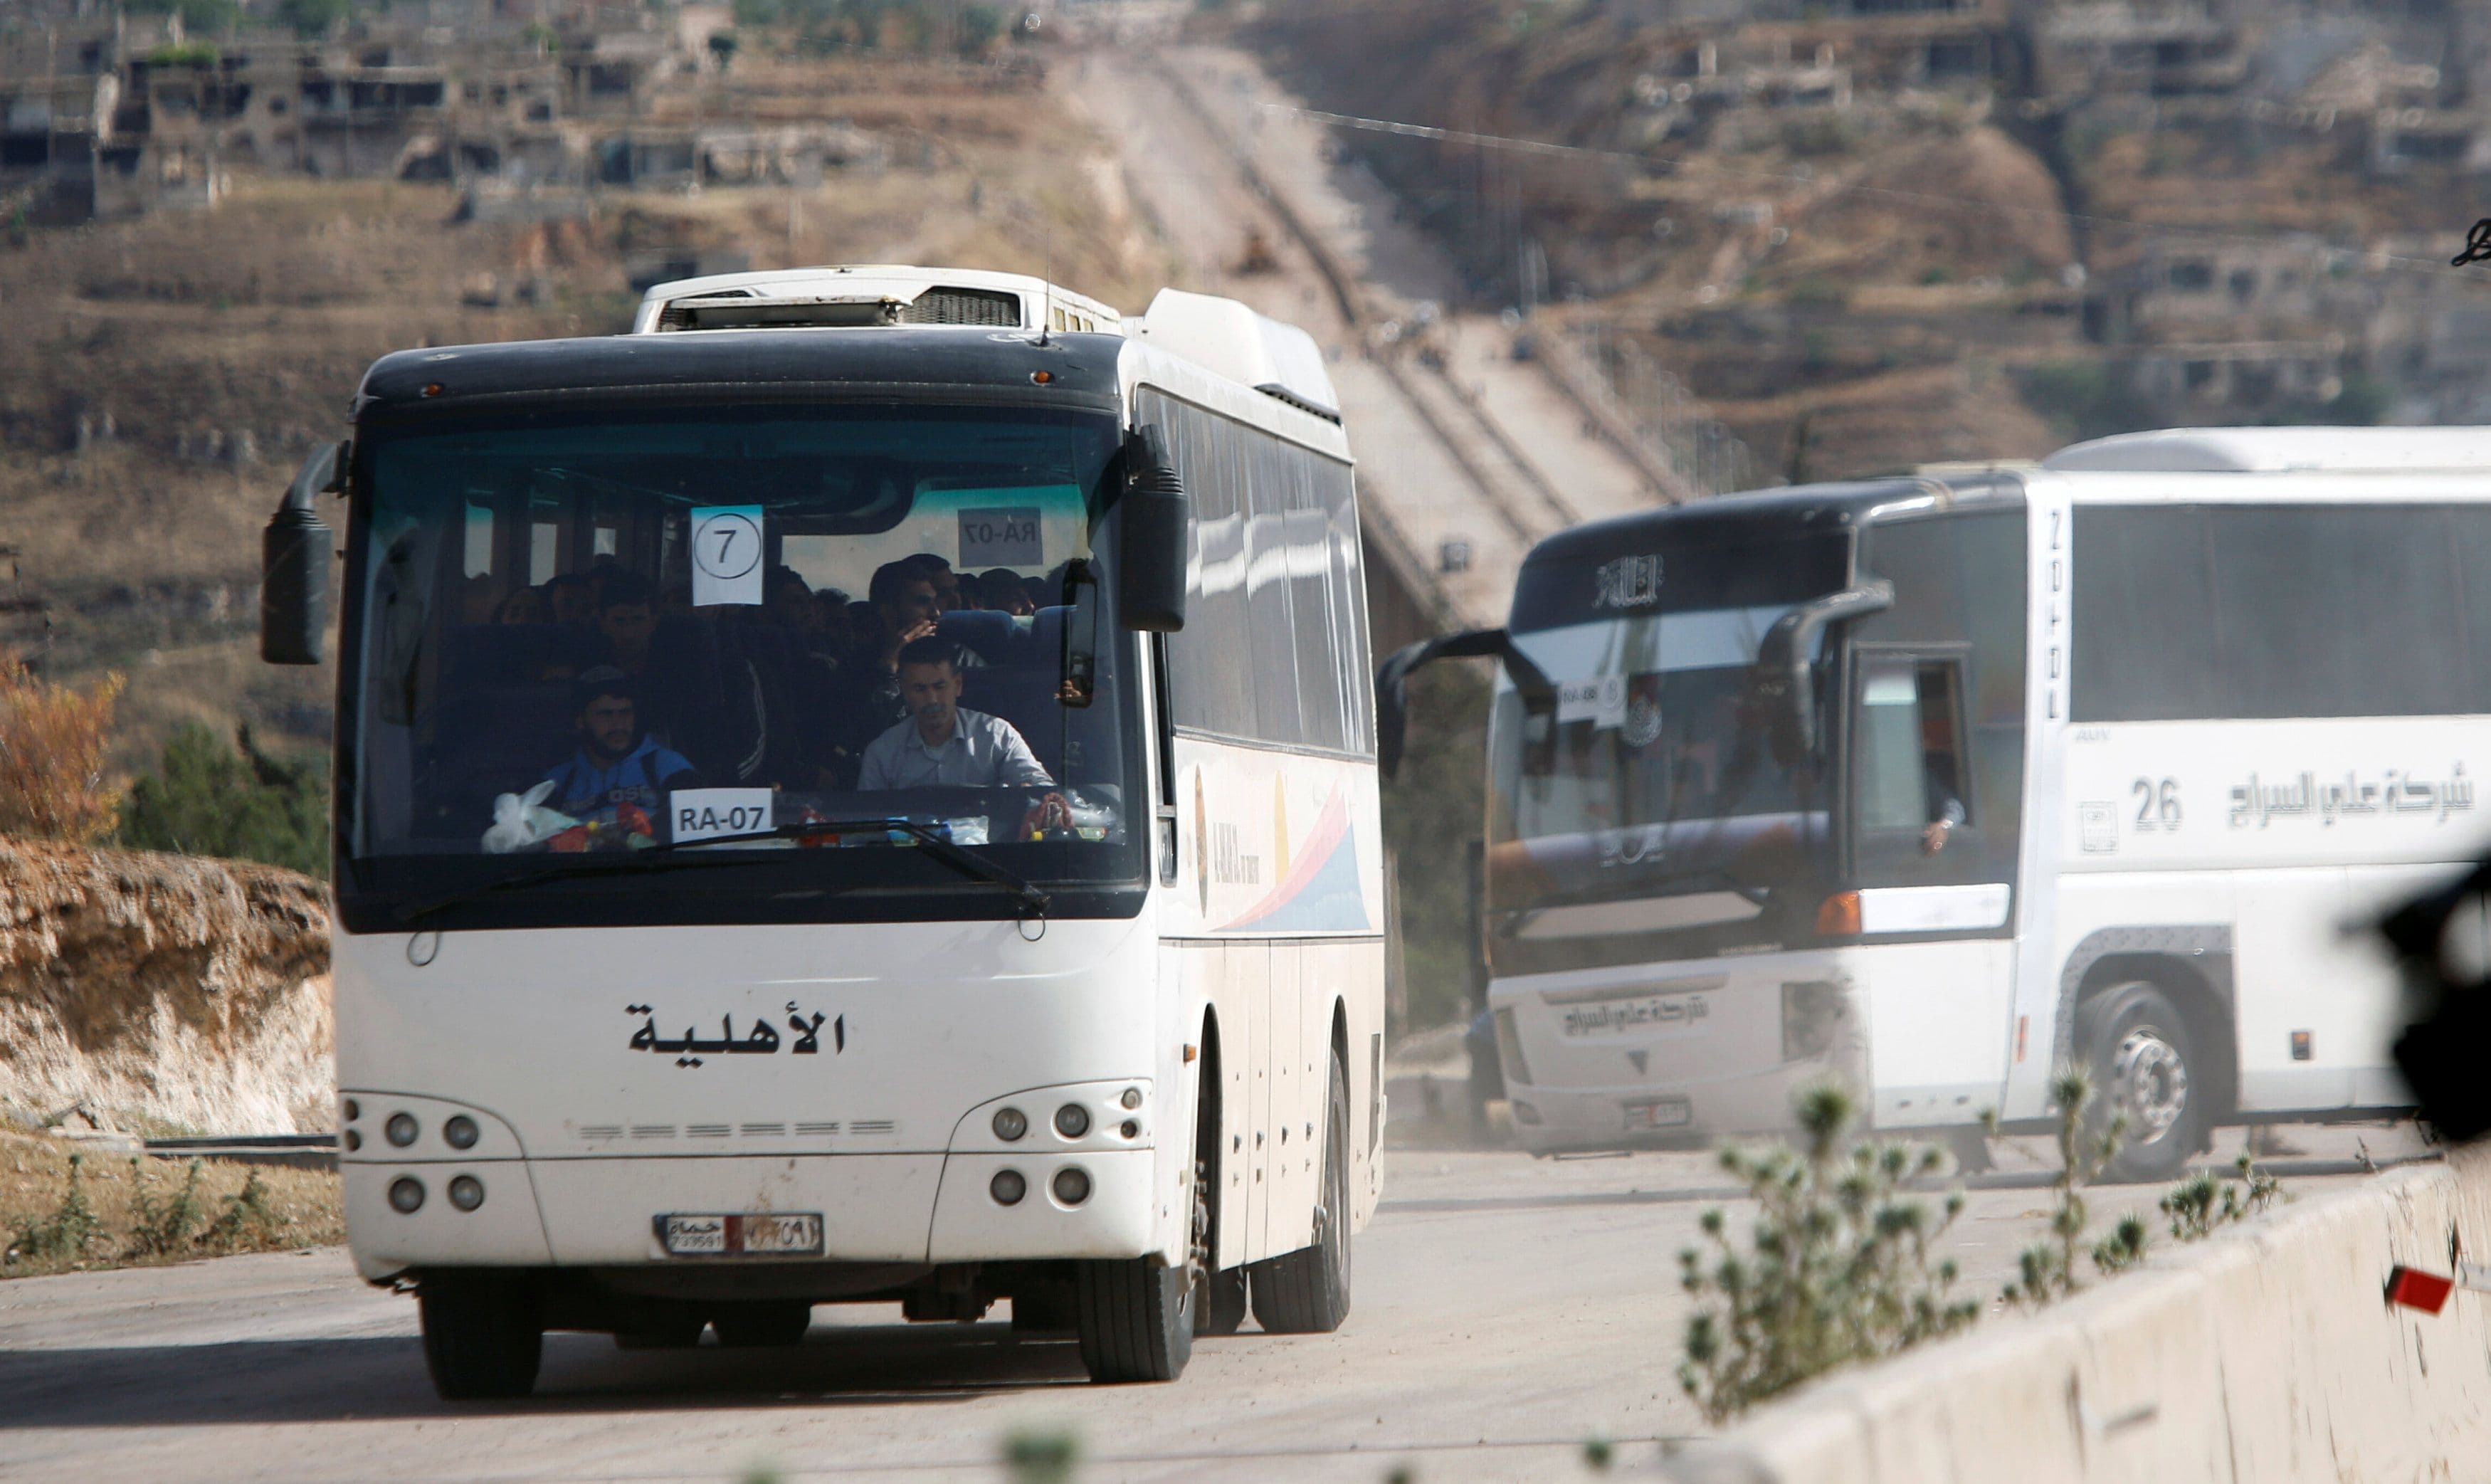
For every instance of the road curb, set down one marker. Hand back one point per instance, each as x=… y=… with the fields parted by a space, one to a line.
x=2266 y=1354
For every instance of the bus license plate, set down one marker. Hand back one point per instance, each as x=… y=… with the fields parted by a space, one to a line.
x=759 y=1233
x=1659 y=1113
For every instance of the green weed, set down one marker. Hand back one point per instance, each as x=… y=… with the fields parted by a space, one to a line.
x=2201 y=1204
x=71 y=1227
x=157 y=1230
x=1837 y=1269
x=247 y=1217
x=2048 y=1270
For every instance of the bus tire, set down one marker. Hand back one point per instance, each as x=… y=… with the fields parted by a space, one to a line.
x=2143 y=1062
x=1306 y=1292
x=761 y=1324
x=1135 y=1319
x=484 y=1334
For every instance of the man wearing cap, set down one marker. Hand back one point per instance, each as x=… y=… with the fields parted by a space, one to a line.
x=617 y=763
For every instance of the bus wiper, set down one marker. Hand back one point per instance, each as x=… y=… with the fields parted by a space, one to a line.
x=665 y=858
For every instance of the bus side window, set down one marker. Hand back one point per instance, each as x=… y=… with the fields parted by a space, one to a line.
x=1911 y=770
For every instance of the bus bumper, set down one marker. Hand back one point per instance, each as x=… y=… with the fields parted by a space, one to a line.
x=1674 y=1055
x=1088 y=1183
x=874 y=1208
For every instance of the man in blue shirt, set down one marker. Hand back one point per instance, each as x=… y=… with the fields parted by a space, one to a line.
x=617 y=767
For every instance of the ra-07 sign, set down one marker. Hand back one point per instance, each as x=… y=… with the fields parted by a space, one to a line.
x=1001 y=538
x=715 y=813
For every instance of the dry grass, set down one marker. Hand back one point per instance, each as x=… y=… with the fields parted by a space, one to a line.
x=303 y=1205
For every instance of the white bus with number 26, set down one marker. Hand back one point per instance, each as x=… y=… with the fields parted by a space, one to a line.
x=1936 y=785
x=660 y=1013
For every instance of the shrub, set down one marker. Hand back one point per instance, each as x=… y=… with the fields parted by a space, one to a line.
x=247 y=1215
x=2048 y=1270
x=240 y=802
x=1838 y=1269
x=156 y=1230
x=71 y=1227
x=52 y=742
x=2201 y=1203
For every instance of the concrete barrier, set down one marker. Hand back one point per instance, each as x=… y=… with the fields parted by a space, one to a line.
x=2264 y=1354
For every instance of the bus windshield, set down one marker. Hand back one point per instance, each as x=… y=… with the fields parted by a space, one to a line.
x=1636 y=782
x=595 y=634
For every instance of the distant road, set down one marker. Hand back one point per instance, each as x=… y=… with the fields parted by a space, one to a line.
x=1467 y=447
x=1504 y=1311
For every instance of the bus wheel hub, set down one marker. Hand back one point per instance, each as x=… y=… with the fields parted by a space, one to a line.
x=2151 y=1082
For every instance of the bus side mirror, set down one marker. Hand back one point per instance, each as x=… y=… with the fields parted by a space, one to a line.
x=1392 y=683
x=1785 y=678
x=294 y=565
x=1154 y=521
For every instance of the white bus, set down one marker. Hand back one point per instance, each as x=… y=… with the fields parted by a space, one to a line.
x=1937 y=784
x=867 y=800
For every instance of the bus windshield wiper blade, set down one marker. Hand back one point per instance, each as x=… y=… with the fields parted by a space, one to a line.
x=667 y=857
x=936 y=844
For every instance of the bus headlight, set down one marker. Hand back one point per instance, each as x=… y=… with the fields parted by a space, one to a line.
x=459 y=1133
x=406 y=1195
x=1007 y=1187
x=1072 y=1185
x=466 y=1192
x=1009 y=1124
x=1509 y=1050
x=400 y=1128
x=1073 y=1120
x=1812 y=1013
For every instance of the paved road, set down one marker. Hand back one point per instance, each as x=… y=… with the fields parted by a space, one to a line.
x=1504 y=1311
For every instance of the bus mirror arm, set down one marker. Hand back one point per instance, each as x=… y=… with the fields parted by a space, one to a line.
x=294 y=565
x=1392 y=681
x=1785 y=661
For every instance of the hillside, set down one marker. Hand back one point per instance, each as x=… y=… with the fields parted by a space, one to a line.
x=162 y=376
x=162 y=993
x=1866 y=235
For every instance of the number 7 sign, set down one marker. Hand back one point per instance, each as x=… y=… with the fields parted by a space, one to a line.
x=726 y=555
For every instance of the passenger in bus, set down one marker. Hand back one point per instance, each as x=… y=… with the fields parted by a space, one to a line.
x=1004 y=592
x=905 y=608
x=835 y=622
x=901 y=610
x=616 y=780
x=787 y=603
x=571 y=599
x=947 y=597
x=626 y=621
x=476 y=600
x=524 y=605
x=1942 y=777
x=943 y=743
x=602 y=568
